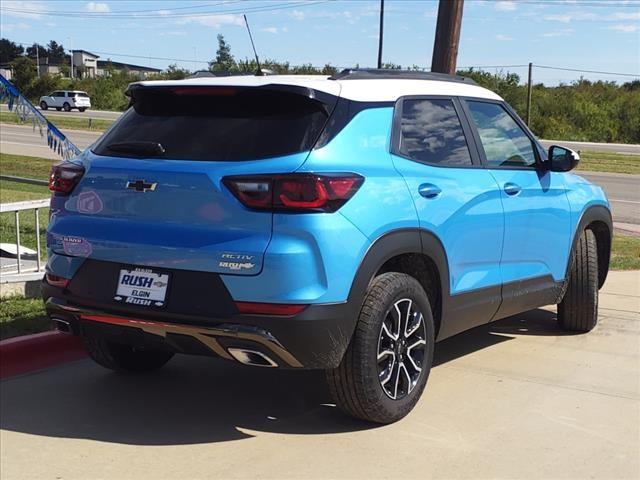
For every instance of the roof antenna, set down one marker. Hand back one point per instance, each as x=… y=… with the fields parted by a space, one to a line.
x=259 y=72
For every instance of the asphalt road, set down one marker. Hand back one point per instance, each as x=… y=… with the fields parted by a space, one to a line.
x=623 y=192
x=596 y=147
x=97 y=114
x=622 y=189
x=518 y=398
x=22 y=140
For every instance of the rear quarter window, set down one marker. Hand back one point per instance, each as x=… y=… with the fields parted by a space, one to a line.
x=218 y=123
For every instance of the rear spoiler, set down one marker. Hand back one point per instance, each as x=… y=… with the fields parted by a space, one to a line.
x=325 y=100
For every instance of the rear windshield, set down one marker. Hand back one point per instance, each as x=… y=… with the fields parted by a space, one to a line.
x=216 y=124
x=80 y=94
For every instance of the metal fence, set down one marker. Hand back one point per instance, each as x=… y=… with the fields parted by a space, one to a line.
x=26 y=267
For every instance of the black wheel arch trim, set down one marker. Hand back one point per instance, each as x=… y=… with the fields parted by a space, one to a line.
x=593 y=215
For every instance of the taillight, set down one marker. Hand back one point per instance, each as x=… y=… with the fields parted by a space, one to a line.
x=280 y=309
x=64 y=177
x=56 y=281
x=301 y=192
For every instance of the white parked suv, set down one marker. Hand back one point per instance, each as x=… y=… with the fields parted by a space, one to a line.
x=66 y=99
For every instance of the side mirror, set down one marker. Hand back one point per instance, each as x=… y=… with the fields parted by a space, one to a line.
x=562 y=159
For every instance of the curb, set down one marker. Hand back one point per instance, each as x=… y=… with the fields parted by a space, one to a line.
x=31 y=353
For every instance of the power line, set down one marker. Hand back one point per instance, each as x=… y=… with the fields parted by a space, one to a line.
x=162 y=14
x=637 y=75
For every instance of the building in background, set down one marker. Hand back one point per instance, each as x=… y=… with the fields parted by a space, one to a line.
x=107 y=66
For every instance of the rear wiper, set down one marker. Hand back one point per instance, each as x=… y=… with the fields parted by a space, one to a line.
x=154 y=149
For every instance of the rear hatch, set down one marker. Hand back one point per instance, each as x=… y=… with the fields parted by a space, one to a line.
x=81 y=99
x=153 y=195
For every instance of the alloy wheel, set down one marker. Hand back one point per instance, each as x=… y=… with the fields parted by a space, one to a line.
x=401 y=349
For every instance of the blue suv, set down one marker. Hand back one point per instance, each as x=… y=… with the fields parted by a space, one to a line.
x=343 y=223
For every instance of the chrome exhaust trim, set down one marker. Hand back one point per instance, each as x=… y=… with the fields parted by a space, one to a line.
x=61 y=325
x=252 y=357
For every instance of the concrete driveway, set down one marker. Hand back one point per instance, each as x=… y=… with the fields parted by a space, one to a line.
x=515 y=399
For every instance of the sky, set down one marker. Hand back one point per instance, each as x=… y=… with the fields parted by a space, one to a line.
x=598 y=35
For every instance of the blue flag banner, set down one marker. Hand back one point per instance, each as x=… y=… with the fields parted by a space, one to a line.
x=27 y=113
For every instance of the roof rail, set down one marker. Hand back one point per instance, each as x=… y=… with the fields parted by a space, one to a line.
x=382 y=73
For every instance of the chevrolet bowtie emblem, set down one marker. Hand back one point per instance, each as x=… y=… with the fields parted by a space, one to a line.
x=142 y=186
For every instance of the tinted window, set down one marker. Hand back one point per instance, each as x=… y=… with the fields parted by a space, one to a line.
x=505 y=143
x=58 y=94
x=80 y=94
x=218 y=124
x=431 y=133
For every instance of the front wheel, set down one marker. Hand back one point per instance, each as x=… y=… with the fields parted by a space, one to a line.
x=66 y=107
x=123 y=358
x=386 y=366
x=43 y=105
x=81 y=109
x=578 y=311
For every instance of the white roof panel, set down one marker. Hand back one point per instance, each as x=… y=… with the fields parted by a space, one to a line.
x=362 y=90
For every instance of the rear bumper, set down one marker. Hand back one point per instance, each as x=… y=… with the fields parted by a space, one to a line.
x=314 y=339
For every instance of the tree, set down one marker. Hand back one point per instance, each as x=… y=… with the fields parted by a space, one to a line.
x=56 y=52
x=24 y=72
x=9 y=51
x=174 y=73
x=224 y=61
x=42 y=52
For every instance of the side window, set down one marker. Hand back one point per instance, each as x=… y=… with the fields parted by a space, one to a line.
x=505 y=143
x=430 y=132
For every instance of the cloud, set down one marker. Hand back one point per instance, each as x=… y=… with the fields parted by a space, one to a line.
x=23 y=9
x=624 y=27
x=565 y=32
x=504 y=38
x=273 y=30
x=173 y=33
x=97 y=7
x=213 y=21
x=297 y=15
x=12 y=27
x=505 y=6
x=570 y=17
x=625 y=16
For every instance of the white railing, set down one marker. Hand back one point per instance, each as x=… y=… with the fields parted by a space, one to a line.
x=20 y=272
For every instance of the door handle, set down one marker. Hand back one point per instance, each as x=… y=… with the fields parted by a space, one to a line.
x=512 y=188
x=429 y=190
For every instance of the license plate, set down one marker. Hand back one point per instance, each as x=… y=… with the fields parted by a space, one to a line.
x=142 y=286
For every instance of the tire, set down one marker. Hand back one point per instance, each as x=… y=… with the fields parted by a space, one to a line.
x=66 y=107
x=356 y=385
x=123 y=358
x=58 y=109
x=43 y=105
x=81 y=109
x=578 y=311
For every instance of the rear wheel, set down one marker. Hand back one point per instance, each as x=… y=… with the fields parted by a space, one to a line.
x=43 y=105
x=578 y=311
x=58 y=108
x=82 y=109
x=387 y=363
x=67 y=107
x=123 y=358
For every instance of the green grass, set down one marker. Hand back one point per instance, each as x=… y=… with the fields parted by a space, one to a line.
x=30 y=167
x=22 y=316
x=74 y=123
x=23 y=166
x=609 y=162
x=625 y=254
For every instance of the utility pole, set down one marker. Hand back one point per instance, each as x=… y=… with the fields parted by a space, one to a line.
x=37 y=60
x=71 y=57
x=381 y=34
x=445 y=47
x=529 y=91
